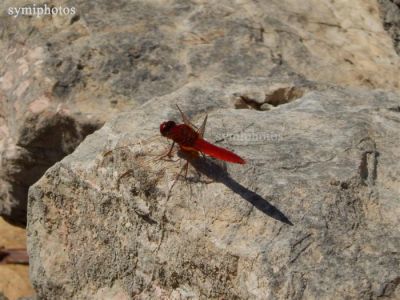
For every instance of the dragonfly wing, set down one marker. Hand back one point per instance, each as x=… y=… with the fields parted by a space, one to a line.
x=203 y=127
x=185 y=118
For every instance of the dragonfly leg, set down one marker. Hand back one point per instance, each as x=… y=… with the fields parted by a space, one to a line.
x=199 y=174
x=186 y=166
x=203 y=181
x=176 y=179
x=170 y=149
x=168 y=154
x=109 y=152
x=129 y=172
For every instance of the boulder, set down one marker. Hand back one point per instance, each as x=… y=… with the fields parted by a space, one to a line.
x=307 y=92
x=312 y=214
x=84 y=67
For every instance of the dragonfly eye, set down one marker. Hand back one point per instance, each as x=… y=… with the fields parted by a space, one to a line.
x=165 y=127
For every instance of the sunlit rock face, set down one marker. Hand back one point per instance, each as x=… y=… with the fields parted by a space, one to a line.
x=306 y=92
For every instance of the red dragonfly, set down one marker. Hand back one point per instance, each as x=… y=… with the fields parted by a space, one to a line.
x=191 y=144
x=191 y=140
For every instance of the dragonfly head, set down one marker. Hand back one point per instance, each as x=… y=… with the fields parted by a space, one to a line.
x=165 y=127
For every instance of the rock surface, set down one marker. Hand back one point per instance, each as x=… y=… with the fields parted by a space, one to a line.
x=105 y=224
x=65 y=75
x=317 y=124
x=390 y=11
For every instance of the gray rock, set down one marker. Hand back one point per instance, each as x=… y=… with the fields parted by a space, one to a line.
x=112 y=57
x=104 y=223
x=2 y=297
x=316 y=124
x=62 y=78
x=390 y=11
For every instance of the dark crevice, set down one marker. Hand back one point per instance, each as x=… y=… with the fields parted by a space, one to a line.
x=74 y=19
x=395 y=108
x=42 y=142
x=274 y=98
x=283 y=95
x=390 y=15
x=246 y=102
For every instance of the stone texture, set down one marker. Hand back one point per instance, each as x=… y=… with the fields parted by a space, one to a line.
x=317 y=124
x=111 y=57
x=103 y=224
x=390 y=11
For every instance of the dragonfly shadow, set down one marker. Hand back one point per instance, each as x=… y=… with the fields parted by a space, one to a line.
x=219 y=174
